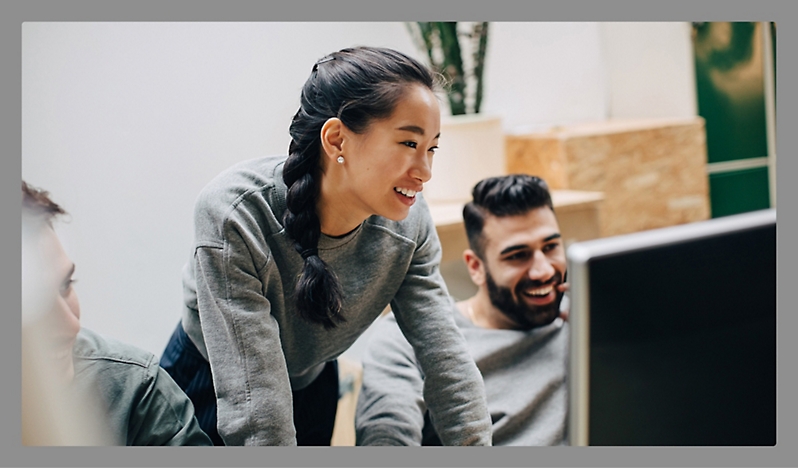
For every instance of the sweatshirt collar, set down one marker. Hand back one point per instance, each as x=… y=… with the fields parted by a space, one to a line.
x=325 y=242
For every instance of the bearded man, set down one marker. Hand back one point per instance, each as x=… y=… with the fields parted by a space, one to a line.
x=514 y=328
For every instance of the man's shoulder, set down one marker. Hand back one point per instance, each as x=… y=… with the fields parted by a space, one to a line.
x=93 y=347
x=386 y=324
x=387 y=335
x=388 y=321
x=117 y=373
x=143 y=405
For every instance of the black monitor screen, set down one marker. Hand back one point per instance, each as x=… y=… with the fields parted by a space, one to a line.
x=683 y=343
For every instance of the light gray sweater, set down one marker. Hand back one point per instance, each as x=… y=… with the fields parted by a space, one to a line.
x=238 y=314
x=524 y=374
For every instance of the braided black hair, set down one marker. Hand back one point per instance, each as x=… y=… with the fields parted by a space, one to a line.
x=356 y=85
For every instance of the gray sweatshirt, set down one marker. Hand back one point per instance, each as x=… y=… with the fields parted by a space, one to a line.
x=138 y=400
x=237 y=313
x=524 y=374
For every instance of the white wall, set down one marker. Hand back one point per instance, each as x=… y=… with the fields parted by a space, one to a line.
x=124 y=123
x=650 y=68
x=544 y=74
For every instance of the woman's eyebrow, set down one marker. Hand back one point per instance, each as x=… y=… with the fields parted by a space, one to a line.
x=415 y=129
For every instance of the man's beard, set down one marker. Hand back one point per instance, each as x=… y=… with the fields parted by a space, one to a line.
x=524 y=315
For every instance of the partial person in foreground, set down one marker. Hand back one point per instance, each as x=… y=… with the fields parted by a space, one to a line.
x=296 y=255
x=513 y=326
x=136 y=401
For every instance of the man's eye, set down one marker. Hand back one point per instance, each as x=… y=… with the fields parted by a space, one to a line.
x=550 y=247
x=67 y=285
x=518 y=256
x=410 y=144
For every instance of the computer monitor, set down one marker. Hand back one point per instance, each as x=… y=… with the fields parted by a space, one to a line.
x=673 y=335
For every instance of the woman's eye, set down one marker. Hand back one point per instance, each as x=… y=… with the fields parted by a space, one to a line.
x=433 y=149
x=410 y=144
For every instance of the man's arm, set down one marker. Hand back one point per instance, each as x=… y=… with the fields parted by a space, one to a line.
x=164 y=415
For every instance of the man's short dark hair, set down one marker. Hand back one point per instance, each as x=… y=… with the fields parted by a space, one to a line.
x=36 y=204
x=510 y=195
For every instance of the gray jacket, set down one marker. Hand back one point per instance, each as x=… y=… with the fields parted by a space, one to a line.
x=240 y=315
x=139 y=401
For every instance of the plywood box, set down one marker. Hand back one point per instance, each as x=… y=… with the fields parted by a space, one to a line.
x=652 y=172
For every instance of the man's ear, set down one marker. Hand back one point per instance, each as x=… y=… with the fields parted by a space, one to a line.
x=332 y=137
x=476 y=269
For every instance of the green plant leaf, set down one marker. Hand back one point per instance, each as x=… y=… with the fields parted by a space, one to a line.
x=441 y=42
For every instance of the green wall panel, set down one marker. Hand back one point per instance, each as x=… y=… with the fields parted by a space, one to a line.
x=730 y=85
x=739 y=191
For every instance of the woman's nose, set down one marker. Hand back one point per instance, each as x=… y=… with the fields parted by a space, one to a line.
x=422 y=169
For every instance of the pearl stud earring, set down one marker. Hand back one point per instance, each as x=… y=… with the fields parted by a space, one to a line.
x=340 y=159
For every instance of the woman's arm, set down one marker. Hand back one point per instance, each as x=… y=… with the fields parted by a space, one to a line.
x=250 y=376
x=453 y=387
x=240 y=333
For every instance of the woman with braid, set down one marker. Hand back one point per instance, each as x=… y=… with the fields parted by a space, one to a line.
x=296 y=256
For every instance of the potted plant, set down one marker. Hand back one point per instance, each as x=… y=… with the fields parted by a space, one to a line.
x=472 y=144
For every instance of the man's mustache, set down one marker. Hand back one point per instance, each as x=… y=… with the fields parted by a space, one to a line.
x=528 y=283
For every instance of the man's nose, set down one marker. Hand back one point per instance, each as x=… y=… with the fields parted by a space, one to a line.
x=541 y=269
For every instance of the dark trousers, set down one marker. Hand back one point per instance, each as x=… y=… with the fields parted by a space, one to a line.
x=314 y=405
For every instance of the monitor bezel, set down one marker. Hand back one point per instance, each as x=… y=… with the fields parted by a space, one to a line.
x=580 y=255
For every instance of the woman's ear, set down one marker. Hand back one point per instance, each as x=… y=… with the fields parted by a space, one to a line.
x=332 y=137
x=476 y=269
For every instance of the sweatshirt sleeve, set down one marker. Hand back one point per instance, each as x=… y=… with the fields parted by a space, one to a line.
x=453 y=389
x=253 y=392
x=390 y=407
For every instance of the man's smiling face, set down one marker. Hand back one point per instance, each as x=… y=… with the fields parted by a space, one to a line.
x=524 y=261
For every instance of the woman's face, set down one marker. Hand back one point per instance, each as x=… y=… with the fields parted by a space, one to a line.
x=387 y=165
